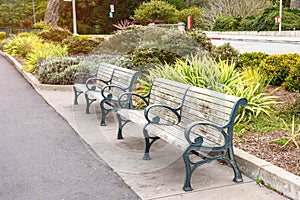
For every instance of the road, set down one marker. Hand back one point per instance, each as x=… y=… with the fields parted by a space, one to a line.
x=268 y=46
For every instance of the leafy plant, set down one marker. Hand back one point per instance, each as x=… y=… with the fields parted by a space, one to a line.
x=294 y=133
x=155 y=10
x=277 y=67
x=58 y=70
x=22 y=45
x=46 y=50
x=81 y=44
x=122 y=24
x=55 y=34
x=205 y=72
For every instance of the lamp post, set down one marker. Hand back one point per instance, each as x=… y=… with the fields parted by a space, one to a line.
x=33 y=10
x=74 y=17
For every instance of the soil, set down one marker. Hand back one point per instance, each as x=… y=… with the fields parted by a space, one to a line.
x=263 y=145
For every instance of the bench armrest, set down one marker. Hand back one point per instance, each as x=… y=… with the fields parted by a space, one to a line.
x=81 y=77
x=91 y=83
x=199 y=140
x=105 y=91
x=175 y=116
x=125 y=100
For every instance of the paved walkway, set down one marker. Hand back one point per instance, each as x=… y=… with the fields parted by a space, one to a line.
x=62 y=153
x=41 y=156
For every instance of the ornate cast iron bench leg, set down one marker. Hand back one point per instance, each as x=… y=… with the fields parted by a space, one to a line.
x=148 y=143
x=88 y=103
x=76 y=93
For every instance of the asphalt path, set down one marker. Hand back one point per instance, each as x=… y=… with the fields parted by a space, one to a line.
x=41 y=156
x=268 y=46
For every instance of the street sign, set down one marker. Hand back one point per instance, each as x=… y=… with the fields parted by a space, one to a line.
x=277 y=20
x=112 y=8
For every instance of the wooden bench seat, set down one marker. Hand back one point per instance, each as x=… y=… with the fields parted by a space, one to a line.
x=105 y=86
x=199 y=121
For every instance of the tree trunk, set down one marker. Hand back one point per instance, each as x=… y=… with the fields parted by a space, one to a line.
x=295 y=4
x=51 y=15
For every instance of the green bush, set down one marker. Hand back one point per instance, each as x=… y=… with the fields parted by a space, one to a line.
x=46 y=50
x=225 y=52
x=251 y=59
x=246 y=23
x=277 y=67
x=201 y=38
x=58 y=70
x=126 y=41
x=292 y=81
x=143 y=59
x=55 y=34
x=22 y=45
x=156 y=10
x=81 y=45
x=265 y=22
x=226 y=23
x=2 y=36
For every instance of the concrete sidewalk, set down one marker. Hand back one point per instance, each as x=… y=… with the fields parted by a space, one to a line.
x=163 y=176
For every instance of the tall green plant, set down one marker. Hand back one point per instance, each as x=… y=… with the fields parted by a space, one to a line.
x=46 y=50
x=220 y=76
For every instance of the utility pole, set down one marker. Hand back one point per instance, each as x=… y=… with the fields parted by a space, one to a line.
x=74 y=16
x=33 y=10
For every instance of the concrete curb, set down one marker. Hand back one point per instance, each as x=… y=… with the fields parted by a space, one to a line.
x=273 y=177
x=33 y=80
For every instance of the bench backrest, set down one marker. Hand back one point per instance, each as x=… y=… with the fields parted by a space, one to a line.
x=214 y=107
x=123 y=78
x=105 y=72
x=198 y=104
x=167 y=92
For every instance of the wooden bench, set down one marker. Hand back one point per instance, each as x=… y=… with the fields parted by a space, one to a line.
x=200 y=121
x=105 y=86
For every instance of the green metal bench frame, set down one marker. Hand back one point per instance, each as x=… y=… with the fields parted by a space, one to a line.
x=201 y=124
x=105 y=86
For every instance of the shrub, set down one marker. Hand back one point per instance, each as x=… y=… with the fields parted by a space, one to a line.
x=55 y=34
x=155 y=10
x=225 y=52
x=277 y=67
x=22 y=45
x=251 y=59
x=2 y=36
x=127 y=41
x=292 y=81
x=201 y=38
x=141 y=58
x=226 y=23
x=58 y=70
x=46 y=50
x=81 y=45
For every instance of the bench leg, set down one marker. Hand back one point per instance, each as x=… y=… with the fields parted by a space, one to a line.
x=120 y=126
x=104 y=112
x=148 y=143
x=237 y=173
x=76 y=93
x=88 y=103
x=188 y=171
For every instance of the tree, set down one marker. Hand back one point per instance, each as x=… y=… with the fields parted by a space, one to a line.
x=51 y=15
x=295 y=4
x=233 y=8
x=156 y=10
